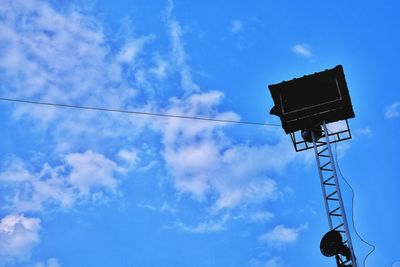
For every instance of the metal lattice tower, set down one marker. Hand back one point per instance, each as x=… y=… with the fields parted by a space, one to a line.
x=332 y=195
x=305 y=106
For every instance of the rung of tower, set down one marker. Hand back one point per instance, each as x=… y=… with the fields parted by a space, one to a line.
x=331 y=194
x=327 y=180
x=333 y=212
x=322 y=151
x=326 y=164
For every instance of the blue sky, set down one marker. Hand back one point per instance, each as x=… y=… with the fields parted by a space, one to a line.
x=87 y=188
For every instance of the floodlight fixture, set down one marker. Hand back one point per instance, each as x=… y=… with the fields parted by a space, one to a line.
x=305 y=102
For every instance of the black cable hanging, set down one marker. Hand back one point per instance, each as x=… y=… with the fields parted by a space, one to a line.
x=136 y=112
x=352 y=208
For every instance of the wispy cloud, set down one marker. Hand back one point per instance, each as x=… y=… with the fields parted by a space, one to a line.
x=275 y=261
x=282 y=235
x=302 y=50
x=164 y=207
x=52 y=262
x=18 y=235
x=130 y=51
x=392 y=110
x=203 y=227
x=366 y=131
x=203 y=161
x=84 y=176
x=67 y=58
x=236 y=26
x=178 y=53
x=80 y=68
x=261 y=216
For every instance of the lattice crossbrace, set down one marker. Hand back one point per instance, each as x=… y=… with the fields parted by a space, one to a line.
x=332 y=195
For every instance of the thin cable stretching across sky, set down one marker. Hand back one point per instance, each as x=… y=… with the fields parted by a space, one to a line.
x=136 y=112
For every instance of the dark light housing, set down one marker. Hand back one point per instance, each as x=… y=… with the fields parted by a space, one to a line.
x=306 y=102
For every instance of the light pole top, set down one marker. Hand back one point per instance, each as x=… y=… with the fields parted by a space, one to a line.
x=306 y=102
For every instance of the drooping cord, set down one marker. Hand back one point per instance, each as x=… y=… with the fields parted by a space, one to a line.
x=352 y=207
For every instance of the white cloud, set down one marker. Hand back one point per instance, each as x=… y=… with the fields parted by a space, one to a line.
x=85 y=176
x=237 y=26
x=203 y=161
x=282 y=235
x=47 y=46
x=261 y=216
x=52 y=262
x=203 y=227
x=178 y=53
x=91 y=170
x=232 y=195
x=129 y=156
x=393 y=110
x=18 y=235
x=302 y=50
x=165 y=207
x=66 y=58
x=131 y=49
x=199 y=155
x=161 y=68
x=272 y=262
x=366 y=131
x=275 y=262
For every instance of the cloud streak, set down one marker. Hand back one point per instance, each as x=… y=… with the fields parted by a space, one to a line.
x=236 y=26
x=392 y=111
x=302 y=50
x=203 y=227
x=178 y=54
x=281 y=235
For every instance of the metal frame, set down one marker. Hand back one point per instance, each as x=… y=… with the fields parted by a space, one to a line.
x=334 y=206
x=301 y=145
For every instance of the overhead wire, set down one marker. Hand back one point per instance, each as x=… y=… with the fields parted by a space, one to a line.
x=352 y=208
x=195 y=118
x=136 y=112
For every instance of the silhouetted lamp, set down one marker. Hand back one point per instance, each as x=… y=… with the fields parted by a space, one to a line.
x=332 y=244
x=305 y=103
x=307 y=133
